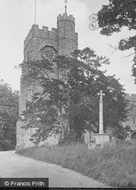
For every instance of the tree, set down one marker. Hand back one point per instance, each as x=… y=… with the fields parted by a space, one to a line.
x=8 y=116
x=116 y=15
x=68 y=103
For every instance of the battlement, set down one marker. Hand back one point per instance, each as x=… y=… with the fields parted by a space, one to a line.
x=131 y=97
x=65 y=17
x=35 y=31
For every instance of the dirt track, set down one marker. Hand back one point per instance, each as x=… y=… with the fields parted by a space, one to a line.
x=16 y=166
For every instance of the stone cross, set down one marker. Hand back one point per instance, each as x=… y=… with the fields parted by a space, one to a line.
x=101 y=94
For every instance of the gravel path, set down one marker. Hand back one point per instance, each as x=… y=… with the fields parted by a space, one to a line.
x=16 y=166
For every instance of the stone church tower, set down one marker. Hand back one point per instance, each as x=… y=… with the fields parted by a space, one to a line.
x=64 y=40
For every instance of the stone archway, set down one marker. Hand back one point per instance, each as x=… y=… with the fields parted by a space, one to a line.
x=133 y=136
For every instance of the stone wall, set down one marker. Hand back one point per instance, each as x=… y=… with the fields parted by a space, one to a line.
x=131 y=97
x=131 y=116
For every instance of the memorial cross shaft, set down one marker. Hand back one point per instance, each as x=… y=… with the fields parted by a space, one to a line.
x=101 y=94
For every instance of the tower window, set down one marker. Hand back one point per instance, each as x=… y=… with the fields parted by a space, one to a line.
x=31 y=55
x=133 y=119
x=28 y=58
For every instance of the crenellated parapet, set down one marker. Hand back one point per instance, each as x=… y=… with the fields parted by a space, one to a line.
x=65 y=17
x=131 y=97
x=43 y=33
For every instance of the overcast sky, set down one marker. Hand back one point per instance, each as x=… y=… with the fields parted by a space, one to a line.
x=17 y=17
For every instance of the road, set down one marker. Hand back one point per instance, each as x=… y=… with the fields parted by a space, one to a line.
x=16 y=166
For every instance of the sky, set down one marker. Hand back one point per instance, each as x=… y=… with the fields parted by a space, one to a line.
x=17 y=17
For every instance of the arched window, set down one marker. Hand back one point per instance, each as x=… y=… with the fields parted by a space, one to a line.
x=28 y=58
x=133 y=136
x=134 y=121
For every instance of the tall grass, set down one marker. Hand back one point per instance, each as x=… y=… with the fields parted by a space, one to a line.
x=115 y=166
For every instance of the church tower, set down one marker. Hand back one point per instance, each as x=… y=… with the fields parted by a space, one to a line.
x=63 y=40
x=67 y=38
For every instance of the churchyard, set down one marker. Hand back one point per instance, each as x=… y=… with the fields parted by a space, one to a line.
x=77 y=96
x=112 y=165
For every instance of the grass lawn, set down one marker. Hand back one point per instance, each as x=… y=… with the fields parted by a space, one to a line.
x=115 y=166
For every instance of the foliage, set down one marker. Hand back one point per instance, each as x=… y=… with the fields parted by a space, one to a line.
x=115 y=166
x=116 y=15
x=8 y=116
x=68 y=102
